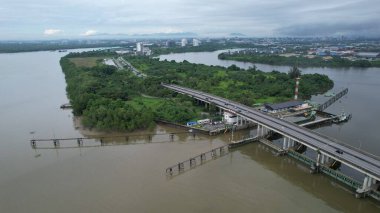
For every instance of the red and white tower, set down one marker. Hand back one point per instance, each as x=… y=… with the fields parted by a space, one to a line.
x=296 y=91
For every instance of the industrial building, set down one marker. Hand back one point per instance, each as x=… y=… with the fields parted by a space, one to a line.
x=274 y=108
x=229 y=118
x=368 y=55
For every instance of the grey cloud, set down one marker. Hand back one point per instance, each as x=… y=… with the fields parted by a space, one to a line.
x=368 y=29
x=251 y=17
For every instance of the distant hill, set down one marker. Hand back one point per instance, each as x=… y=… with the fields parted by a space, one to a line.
x=237 y=35
x=167 y=35
x=152 y=35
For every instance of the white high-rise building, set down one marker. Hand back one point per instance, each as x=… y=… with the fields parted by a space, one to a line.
x=139 y=47
x=196 y=42
x=183 y=42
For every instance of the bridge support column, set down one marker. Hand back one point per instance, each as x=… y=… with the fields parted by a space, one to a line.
x=366 y=187
x=318 y=159
x=369 y=182
x=315 y=167
x=326 y=159
x=258 y=130
x=284 y=143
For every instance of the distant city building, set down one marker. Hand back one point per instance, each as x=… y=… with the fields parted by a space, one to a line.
x=196 y=42
x=183 y=42
x=170 y=43
x=122 y=51
x=368 y=55
x=142 y=50
x=139 y=47
x=147 y=51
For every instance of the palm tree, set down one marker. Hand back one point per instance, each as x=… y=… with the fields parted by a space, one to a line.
x=294 y=72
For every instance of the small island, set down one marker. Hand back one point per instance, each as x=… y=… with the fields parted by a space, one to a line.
x=129 y=96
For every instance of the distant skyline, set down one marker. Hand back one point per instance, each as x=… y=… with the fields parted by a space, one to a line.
x=72 y=19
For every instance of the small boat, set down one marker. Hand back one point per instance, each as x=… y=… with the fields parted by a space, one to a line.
x=66 y=106
x=342 y=118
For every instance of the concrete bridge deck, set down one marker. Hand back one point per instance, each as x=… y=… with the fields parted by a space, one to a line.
x=356 y=159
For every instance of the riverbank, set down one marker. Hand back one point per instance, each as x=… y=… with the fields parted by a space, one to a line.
x=301 y=61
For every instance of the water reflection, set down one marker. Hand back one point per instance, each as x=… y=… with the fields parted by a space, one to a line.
x=321 y=186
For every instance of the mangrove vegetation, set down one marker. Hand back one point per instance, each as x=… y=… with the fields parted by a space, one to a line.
x=301 y=61
x=108 y=98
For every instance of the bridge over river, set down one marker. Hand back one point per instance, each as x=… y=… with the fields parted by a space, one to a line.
x=326 y=148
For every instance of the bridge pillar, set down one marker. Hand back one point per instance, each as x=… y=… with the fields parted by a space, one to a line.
x=258 y=130
x=284 y=144
x=365 y=182
x=318 y=158
x=366 y=187
x=326 y=159
x=369 y=182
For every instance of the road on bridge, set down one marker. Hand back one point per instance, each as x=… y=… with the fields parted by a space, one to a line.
x=359 y=160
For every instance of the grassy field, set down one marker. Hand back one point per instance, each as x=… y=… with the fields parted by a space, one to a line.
x=86 y=61
x=150 y=102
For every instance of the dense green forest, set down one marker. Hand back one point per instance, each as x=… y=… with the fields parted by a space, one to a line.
x=246 y=86
x=204 y=47
x=111 y=99
x=300 y=61
x=13 y=47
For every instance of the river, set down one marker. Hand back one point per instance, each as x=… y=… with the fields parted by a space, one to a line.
x=130 y=177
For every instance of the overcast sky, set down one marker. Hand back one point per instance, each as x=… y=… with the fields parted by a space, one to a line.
x=51 y=19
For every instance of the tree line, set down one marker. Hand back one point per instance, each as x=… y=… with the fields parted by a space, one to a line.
x=300 y=61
